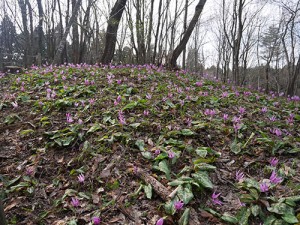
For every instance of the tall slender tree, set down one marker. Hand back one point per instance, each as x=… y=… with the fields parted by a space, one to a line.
x=57 y=57
x=112 y=29
x=187 y=34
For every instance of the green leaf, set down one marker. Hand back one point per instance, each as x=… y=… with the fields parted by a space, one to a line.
x=180 y=181
x=236 y=147
x=290 y=218
x=254 y=193
x=135 y=125
x=163 y=167
x=270 y=220
x=169 y=206
x=170 y=104
x=186 y=132
x=246 y=198
x=281 y=208
x=243 y=216
x=94 y=128
x=184 y=219
x=201 y=152
x=26 y=132
x=255 y=209
x=229 y=218
x=130 y=105
x=84 y=195
x=294 y=150
x=146 y=155
x=140 y=144
x=185 y=193
x=148 y=191
x=204 y=166
x=202 y=178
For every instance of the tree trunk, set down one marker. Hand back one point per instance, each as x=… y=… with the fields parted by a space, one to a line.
x=184 y=40
x=292 y=82
x=2 y=214
x=112 y=29
x=75 y=41
x=148 y=58
x=26 y=33
x=40 y=28
x=184 y=29
x=63 y=41
x=157 y=32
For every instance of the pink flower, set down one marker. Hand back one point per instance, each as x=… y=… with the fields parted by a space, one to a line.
x=157 y=152
x=273 y=161
x=215 y=198
x=81 y=178
x=171 y=154
x=69 y=118
x=264 y=187
x=15 y=104
x=237 y=126
x=96 y=220
x=274 y=179
x=225 y=117
x=264 y=110
x=92 y=101
x=239 y=176
x=146 y=113
x=121 y=118
x=242 y=110
x=75 y=202
x=160 y=221
x=178 y=205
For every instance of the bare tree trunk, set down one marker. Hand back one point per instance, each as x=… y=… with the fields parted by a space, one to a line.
x=157 y=31
x=184 y=30
x=112 y=29
x=184 y=40
x=26 y=32
x=40 y=28
x=30 y=52
x=2 y=214
x=63 y=41
x=85 y=34
x=292 y=82
x=75 y=41
x=148 y=58
x=140 y=33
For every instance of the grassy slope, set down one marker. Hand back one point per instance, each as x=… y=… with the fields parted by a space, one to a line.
x=42 y=154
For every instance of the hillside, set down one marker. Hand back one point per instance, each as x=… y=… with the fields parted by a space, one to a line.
x=133 y=144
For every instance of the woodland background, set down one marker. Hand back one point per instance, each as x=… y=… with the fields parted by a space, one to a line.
x=247 y=42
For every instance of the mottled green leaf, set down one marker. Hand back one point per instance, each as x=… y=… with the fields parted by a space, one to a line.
x=184 y=219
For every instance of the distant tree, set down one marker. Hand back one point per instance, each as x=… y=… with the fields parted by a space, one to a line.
x=270 y=43
x=26 y=46
x=187 y=34
x=8 y=35
x=2 y=215
x=112 y=29
x=58 y=54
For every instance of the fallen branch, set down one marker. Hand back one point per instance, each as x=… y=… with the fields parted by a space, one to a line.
x=158 y=187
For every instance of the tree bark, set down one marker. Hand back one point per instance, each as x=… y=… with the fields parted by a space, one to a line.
x=2 y=214
x=292 y=82
x=184 y=29
x=149 y=33
x=26 y=32
x=112 y=29
x=75 y=41
x=63 y=41
x=184 y=40
x=40 y=27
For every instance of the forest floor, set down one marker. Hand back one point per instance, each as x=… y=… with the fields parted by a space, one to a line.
x=141 y=145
